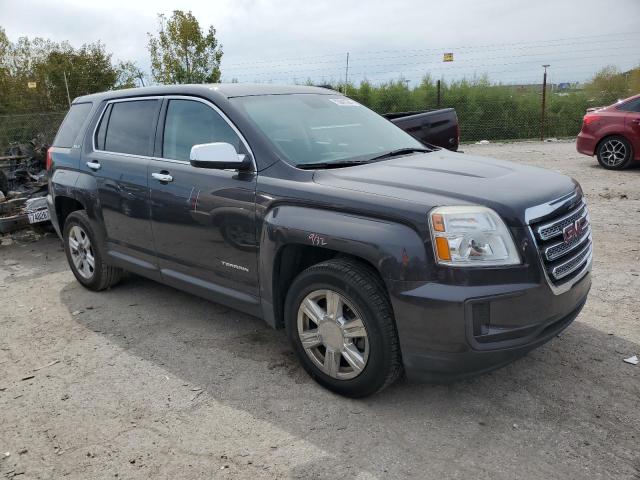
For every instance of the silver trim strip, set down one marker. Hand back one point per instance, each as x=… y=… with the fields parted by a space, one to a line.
x=539 y=211
x=168 y=97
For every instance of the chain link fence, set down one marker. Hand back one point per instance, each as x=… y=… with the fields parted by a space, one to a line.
x=517 y=117
x=486 y=112
x=24 y=127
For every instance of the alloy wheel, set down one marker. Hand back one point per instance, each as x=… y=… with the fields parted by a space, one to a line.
x=81 y=252
x=613 y=152
x=333 y=334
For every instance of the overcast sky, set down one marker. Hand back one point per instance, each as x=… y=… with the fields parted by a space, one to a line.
x=287 y=40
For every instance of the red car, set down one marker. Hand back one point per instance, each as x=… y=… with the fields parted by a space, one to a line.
x=612 y=134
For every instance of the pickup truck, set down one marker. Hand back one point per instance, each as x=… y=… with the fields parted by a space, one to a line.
x=435 y=127
x=376 y=254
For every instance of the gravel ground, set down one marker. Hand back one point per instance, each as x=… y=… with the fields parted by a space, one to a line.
x=143 y=381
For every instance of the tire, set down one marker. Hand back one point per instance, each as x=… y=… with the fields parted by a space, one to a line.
x=80 y=246
x=614 y=153
x=366 y=354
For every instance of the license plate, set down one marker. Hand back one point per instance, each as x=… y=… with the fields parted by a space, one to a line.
x=39 y=216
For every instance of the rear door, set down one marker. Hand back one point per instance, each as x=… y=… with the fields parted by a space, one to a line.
x=632 y=124
x=123 y=144
x=203 y=220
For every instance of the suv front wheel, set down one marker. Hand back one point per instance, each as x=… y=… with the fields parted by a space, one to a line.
x=84 y=254
x=340 y=323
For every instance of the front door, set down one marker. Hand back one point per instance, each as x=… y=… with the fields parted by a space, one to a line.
x=203 y=220
x=119 y=160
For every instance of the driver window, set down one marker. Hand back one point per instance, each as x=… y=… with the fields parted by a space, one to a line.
x=189 y=123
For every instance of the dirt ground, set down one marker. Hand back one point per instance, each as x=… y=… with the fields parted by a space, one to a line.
x=143 y=381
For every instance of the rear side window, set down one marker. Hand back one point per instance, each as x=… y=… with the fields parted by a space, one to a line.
x=190 y=123
x=102 y=129
x=72 y=124
x=633 y=106
x=128 y=127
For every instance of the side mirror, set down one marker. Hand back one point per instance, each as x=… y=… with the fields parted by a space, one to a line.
x=219 y=155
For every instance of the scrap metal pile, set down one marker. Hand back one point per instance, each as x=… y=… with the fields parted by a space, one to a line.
x=23 y=186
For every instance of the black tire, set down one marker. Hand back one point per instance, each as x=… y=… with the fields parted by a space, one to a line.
x=362 y=287
x=607 y=157
x=102 y=276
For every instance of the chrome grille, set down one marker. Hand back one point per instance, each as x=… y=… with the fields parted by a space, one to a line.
x=554 y=228
x=564 y=243
x=562 y=248
x=571 y=265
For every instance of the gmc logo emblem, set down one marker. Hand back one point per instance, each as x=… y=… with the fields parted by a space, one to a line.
x=574 y=231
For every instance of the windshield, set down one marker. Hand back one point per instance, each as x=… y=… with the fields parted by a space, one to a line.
x=314 y=129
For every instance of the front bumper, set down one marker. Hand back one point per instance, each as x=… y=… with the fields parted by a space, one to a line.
x=449 y=332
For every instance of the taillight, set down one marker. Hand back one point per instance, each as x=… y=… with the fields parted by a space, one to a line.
x=49 y=161
x=589 y=119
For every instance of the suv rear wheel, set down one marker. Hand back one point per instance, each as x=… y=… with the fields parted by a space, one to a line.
x=84 y=254
x=340 y=323
x=614 y=153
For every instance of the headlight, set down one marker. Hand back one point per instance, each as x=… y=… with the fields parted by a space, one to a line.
x=471 y=236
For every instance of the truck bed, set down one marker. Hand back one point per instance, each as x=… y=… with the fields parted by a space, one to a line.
x=436 y=127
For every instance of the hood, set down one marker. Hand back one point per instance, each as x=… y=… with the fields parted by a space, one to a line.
x=447 y=178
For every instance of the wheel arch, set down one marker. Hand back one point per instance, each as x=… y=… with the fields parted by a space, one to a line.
x=72 y=190
x=64 y=206
x=294 y=238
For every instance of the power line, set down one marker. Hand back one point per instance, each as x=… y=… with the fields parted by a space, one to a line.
x=355 y=59
x=367 y=69
x=524 y=45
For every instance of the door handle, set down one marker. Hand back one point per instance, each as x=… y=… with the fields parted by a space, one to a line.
x=636 y=121
x=162 y=177
x=94 y=165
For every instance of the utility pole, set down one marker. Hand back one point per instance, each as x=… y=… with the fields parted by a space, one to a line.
x=544 y=100
x=439 y=98
x=346 y=75
x=67 y=87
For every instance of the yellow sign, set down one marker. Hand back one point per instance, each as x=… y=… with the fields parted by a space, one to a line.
x=447 y=57
x=31 y=84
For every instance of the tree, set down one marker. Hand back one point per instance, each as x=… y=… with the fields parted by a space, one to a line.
x=33 y=71
x=182 y=52
x=87 y=70
x=128 y=75
x=633 y=80
x=607 y=86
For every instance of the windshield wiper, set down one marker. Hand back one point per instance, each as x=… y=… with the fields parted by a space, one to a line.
x=350 y=163
x=400 y=151
x=339 y=164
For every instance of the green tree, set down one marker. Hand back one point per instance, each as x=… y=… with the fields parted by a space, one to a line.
x=33 y=71
x=182 y=52
x=633 y=81
x=128 y=75
x=607 y=86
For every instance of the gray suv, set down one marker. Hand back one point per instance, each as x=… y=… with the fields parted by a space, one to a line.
x=376 y=253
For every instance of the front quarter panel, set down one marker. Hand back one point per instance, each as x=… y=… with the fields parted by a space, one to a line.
x=394 y=250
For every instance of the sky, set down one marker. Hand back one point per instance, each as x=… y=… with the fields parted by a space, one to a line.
x=285 y=41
